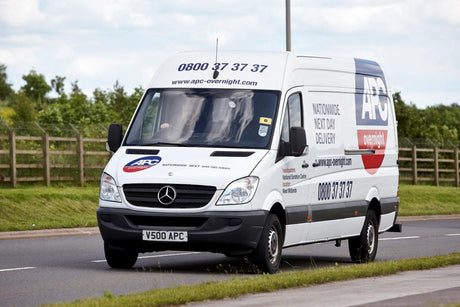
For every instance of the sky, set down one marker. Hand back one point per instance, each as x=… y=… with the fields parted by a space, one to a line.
x=98 y=42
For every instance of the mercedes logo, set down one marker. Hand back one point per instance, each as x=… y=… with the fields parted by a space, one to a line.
x=166 y=195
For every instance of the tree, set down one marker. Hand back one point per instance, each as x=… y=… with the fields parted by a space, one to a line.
x=118 y=100
x=450 y=118
x=100 y=109
x=132 y=103
x=58 y=85
x=78 y=111
x=442 y=122
x=36 y=88
x=24 y=107
x=408 y=117
x=76 y=90
x=137 y=95
x=5 y=88
x=52 y=115
x=100 y=96
x=99 y=113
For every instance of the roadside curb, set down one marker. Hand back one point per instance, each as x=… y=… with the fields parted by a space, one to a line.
x=402 y=219
x=65 y=232
x=45 y=233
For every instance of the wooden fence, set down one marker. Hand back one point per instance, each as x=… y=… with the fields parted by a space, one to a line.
x=434 y=165
x=429 y=164
x=47 y=152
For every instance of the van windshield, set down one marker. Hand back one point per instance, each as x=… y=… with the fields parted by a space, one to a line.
x=205 y=117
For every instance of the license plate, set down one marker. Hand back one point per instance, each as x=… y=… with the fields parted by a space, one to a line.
x=164 y=236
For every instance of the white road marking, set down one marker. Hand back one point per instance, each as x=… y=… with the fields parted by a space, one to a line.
x=452 y=234
x=399 y=238
x=18 y=269
x=155 y=256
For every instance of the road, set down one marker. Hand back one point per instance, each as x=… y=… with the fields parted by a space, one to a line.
x=57 y=269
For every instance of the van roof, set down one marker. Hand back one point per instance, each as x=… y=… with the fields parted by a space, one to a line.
x=248 y=69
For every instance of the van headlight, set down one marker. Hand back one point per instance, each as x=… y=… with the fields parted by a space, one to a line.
x=240 y=191
x=109 y=190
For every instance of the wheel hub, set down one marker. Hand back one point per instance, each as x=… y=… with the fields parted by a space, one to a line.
x=273 y=249
x=370 y=238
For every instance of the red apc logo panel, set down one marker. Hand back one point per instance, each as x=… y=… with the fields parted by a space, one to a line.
x=373 y=139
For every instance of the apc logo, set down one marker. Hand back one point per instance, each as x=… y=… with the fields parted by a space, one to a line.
x=371 y=98
x=372 y=105
x=374 y=108
x=141 y=164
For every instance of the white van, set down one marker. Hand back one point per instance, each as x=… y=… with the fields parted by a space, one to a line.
x=252 y=153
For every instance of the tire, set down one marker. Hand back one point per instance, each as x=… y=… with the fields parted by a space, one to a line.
x=364 y=248
x=267 y=255
x=119 y=258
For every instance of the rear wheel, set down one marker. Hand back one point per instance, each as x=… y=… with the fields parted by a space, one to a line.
x=364 y=247
x=267 y=255
x=119 y=258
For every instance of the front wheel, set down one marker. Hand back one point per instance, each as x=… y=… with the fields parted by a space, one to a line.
x=267 y=255
x=364 y=248
x=119 y=258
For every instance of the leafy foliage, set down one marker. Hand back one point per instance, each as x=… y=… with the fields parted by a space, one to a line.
x=58 y=84
x=438 y=123
x=23 y=106
x=36 y=87
x=32 y=103
x=5 y=87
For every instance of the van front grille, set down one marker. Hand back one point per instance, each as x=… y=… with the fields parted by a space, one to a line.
x=186 y=196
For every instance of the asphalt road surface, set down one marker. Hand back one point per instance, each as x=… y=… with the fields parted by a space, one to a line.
x=48 y=270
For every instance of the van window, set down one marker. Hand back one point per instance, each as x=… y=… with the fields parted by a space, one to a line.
x=292 y=118
x=292 y=115
x=205 y=117
x=295 y=110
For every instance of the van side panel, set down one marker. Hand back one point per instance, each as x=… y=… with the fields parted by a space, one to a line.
x=350 y=127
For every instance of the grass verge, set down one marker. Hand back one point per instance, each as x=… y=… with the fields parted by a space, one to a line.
x=43 y=208
x=29 y=208
x=266 y=283
x=428 y=200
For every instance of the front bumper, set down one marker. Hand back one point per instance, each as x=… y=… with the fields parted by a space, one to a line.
x=232 y=232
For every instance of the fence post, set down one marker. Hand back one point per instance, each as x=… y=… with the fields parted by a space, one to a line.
x=81 y=164
x=457 y=179
x=436 y=166
x=13 y=171
x=414 y=165
x=46 y=159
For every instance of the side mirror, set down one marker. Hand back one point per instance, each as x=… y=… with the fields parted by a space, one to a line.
x=298 y=140
x=114 y=137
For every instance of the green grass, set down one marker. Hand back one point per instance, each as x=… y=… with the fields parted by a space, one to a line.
x=41 y=208
x=266 y=283
x=28 y=207
x=428 y=200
